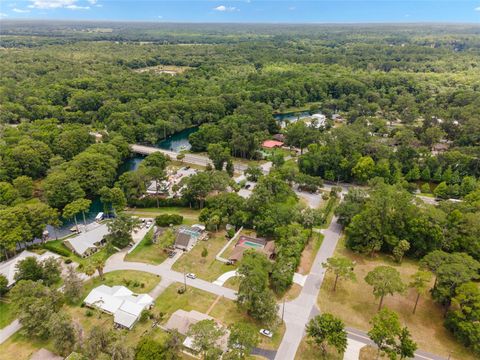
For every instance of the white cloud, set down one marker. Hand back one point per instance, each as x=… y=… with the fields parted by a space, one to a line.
x=57 y=4
x=224 y=8
x=2 y=15
x=76 y=7
x=20 y=11
x=160 y=16
x=292 y=8
x=477 y=8
x=93 y=2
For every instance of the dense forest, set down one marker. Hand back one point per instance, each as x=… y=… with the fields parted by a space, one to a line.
x=402 y=108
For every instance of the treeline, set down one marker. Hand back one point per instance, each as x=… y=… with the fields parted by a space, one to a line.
x=388 y=219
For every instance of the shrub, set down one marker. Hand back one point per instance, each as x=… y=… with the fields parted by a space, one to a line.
x=204 y=252
x=57 y=248
x=89 y=313
x=68 y=261
x=231 y=232
x=165 y=220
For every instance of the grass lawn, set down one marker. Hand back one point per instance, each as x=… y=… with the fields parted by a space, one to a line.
x=136 y=281
x=6 y=312
x=308 y=351
x=190 y=216
x=226 y=311
x=369 y=352
x=355 y=304
x=291 y=293
x=170 y=301
x=232 y=283
x=148 y=253
x=309 y=253
x=206 y=268
x=19 y=347
x=81 y=261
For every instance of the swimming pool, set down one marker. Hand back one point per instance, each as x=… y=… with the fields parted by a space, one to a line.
x=252 y=244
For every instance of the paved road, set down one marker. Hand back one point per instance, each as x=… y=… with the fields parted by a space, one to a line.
x=116 y=262
x=189 y=158
x=299 y=311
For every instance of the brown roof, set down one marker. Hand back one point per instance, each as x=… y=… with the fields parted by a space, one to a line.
x=237 y=253
x=182 y=239
x=182 y=320
x=269 y=248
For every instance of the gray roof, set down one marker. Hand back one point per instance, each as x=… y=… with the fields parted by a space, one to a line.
x=87 y=240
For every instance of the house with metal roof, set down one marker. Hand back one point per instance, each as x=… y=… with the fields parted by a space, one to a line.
x=125 y=306
x=9 y=268
x=89 y=242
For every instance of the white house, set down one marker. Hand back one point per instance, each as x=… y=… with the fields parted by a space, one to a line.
x=316 y=120
x=9 y=268
x=125 y=306
x=87 y=243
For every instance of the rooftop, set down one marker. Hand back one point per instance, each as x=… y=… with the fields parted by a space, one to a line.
x=9 y=268
x=86 y=240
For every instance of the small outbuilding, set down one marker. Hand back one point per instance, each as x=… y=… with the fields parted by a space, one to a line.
x=271 y=144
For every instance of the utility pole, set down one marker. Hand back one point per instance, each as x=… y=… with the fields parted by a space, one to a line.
x=184 y=279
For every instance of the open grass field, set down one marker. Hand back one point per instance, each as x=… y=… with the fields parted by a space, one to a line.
x=206 y=268
x=355 y=304
x=308 y=351
x=190 y=216
x=19 y=347
x=148 y=253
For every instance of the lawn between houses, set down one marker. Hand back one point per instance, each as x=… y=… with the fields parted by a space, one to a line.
x=207 y=268
x=222 y=309
x=20 y=347
x=190 y=216
x=148 y=252
x=355 y=304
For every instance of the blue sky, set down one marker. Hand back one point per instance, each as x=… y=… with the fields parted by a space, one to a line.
x=286 y=11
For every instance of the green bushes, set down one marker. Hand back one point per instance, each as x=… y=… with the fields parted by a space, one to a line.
x=57 y=247
x=149 y=202
x=165 y=220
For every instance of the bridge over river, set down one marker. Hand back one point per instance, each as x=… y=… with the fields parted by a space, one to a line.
x=194 y=159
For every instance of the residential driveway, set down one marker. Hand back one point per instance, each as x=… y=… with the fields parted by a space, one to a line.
x=224 y=277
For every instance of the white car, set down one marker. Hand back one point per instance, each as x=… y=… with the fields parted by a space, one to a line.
x=191 y=276
x=266 y=333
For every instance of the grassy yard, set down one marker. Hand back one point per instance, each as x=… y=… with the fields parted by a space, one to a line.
x=148 y=253
x=136 y=281
x=226 y=311
x=58 y=244
x=170 y=301
x=19 y=347
x=309 y=253
x=308 y=351
x=190 y=216
x=355 y=304
x=206 y=268
x=6 y=312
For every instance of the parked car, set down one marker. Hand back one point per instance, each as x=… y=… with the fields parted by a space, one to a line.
x=266 y=333
x=171 y=254
x=191 y=276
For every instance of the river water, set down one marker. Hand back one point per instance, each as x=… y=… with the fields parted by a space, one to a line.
x=176 y=142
